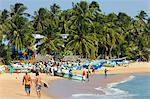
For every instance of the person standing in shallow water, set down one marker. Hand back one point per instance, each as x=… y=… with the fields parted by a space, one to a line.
x=105 y=71
x=27 y=82
x=70 y=73
x=87 y=75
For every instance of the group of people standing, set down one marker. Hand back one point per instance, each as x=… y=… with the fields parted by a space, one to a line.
x=53 y=67
x=48 y=67
x=85 y=74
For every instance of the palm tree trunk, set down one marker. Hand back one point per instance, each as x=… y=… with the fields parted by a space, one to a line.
x=103 y=53
x=9 y=53
x=117 y=55
x=110 y=50
x=0 y=51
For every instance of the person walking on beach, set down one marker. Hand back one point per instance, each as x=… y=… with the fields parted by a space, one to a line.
x=38 y=84
x=27 y=82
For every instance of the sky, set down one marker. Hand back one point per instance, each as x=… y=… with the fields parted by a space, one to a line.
x=130 y=7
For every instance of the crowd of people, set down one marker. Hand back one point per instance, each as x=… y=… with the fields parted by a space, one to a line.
x=55 y=68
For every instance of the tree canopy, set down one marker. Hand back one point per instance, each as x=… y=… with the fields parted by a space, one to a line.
x=91 y=33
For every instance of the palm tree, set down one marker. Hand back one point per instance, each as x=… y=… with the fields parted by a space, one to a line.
x=20 y=28
x=142 y=15
x=4 y=28
x=54 y=14
x=94 y=7
x=79 y=40
x=82 y=44
x=49 y=20
x=51 y=40
x=111 y=38
x=18 y=10
x=4 y=18
x=111 y=34
x=55 y=10
x=90 y=32
x=40 y=20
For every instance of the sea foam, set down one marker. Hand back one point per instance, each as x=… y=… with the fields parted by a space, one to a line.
x=98 y=96
x=109 y=90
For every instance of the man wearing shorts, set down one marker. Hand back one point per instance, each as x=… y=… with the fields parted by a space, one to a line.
x=27 y=82
x=38 y=85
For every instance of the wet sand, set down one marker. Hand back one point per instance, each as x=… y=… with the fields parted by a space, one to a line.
x=64 y=89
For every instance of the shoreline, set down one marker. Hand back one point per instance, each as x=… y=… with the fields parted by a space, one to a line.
x=110 y=86
x=73 y=88
x=121 y=89
x=125 y=72
x=11 y=85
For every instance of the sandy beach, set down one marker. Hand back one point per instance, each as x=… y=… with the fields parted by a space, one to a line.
x=137 y=67
x=11 y=85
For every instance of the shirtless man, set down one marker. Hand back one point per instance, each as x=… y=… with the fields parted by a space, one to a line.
x=38 y=84
x=27 y=82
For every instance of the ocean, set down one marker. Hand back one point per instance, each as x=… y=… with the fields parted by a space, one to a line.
x=135 y=87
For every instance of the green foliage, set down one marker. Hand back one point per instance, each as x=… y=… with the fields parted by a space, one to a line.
x=91 y=33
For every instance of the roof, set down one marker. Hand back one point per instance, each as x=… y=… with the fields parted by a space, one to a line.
x=71 y=58
x=64 y=36
x=44 y=58
x=37 y=36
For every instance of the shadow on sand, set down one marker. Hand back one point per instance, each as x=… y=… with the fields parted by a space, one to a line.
x=24 y=95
